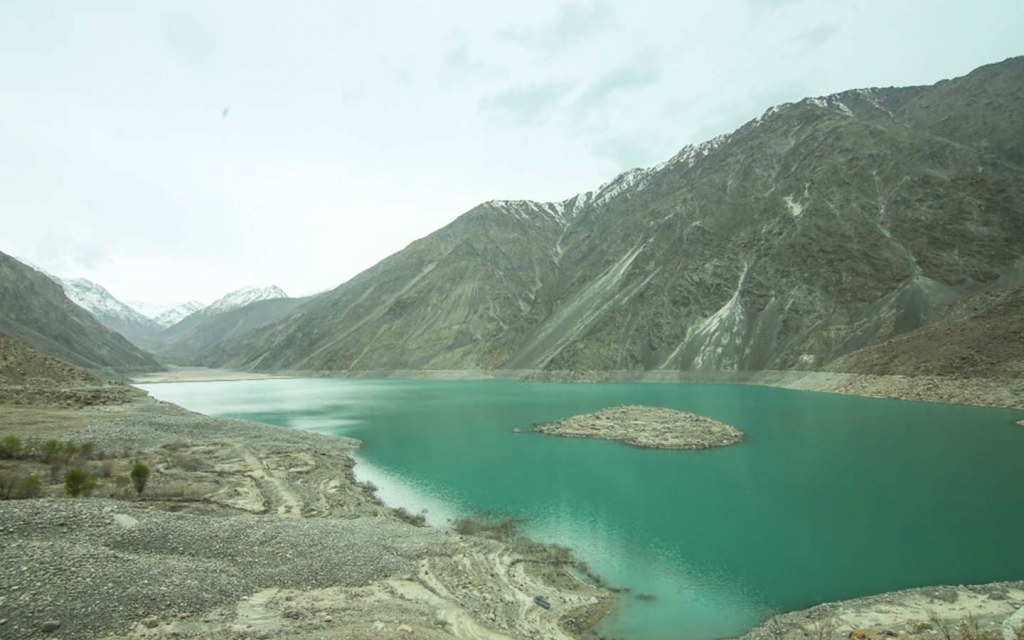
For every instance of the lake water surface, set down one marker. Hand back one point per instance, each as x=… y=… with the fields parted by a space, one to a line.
x=828 y=497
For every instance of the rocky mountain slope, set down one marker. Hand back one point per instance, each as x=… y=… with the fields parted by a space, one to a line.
x=111 y=312
x=34 y=309
x=982 y=336
x=820 y=228
x=22 y=365
x=29 y=377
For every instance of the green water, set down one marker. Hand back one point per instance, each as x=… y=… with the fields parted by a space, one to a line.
x=829 y=497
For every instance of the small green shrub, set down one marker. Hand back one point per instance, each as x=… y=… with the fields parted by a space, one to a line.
x=139 y=476
x=48 y=451
x=78 y=482
x=10 y=447
x=69 y=452
x=29 y=487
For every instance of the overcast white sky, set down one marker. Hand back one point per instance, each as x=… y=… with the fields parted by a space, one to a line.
x=353 y=128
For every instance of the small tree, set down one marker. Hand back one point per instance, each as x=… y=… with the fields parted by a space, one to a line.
x=77 y=482
x=139 y=475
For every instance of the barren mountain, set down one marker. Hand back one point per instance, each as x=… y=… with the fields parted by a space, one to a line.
x=821 y=227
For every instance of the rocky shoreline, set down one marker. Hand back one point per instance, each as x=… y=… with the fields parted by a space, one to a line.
x=993 y=611
x=928 y=613
x=646 y=427
x=252 y=531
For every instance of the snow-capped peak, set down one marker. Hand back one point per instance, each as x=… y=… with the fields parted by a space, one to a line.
x=176 y=314
x=639 y=177
x=526 y=209
x=166 y=315
x=244 y=296
x=636 y=179
x=99 y=302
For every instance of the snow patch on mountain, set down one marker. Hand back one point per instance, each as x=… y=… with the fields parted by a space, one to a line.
x=633 y=180
x=245 y=295
x=177 y=313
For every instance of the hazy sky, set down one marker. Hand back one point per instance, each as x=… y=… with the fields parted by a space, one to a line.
x=176 y=150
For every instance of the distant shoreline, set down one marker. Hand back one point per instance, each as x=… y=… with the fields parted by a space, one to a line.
x=986 y=392
x=202 y=374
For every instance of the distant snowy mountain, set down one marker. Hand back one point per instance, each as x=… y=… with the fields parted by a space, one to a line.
x=111 y=312
x=174 y=315
x=241 y=297
x=229 y=317
x=166 y=315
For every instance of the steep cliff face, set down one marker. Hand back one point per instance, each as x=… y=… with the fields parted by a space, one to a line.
x=822 y=227
x=34 y=309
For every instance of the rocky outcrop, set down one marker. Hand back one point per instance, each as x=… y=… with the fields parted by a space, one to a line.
x=646 y=427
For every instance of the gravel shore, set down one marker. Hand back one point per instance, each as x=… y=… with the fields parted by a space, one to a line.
x=992 y=611
x=251 y=531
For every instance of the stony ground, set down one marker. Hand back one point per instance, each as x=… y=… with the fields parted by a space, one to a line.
x=981 y=612
x=988 y=392
x=250 y=531
x=646 y=427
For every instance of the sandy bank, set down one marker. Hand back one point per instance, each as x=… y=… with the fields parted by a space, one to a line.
x=646 y=427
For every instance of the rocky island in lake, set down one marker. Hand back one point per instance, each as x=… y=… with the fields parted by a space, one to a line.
x=647 y=427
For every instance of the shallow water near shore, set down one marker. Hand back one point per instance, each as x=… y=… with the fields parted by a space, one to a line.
x=829 y=497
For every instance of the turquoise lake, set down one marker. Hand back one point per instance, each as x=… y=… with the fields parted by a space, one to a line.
x=828 y=497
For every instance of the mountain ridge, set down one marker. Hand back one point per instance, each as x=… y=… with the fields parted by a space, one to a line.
x=814 y=230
